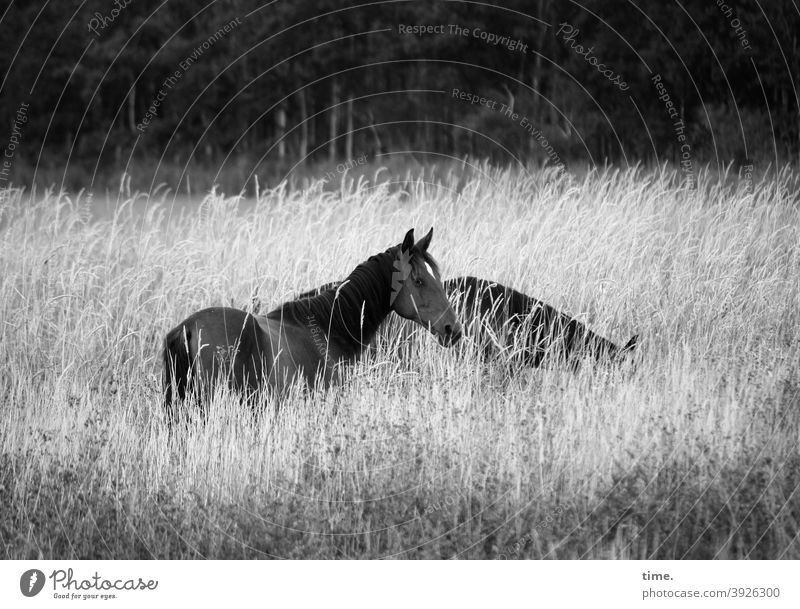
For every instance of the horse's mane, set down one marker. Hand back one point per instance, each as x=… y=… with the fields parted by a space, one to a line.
x=325 y=287
x=351 y=311
x=486 y=293
x=333 y=285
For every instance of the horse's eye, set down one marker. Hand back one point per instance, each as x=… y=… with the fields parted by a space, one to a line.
x=418 y=282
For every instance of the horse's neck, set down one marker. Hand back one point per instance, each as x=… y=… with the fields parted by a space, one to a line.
x=362 y=302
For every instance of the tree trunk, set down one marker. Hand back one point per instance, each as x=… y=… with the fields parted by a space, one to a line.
x=312 y=129
x=132 y=110
x=303 y=126
x=280 y=124
x=349 y=137
x=538 y=94
x=510 y=94
x=334 y=120
x=375 y=135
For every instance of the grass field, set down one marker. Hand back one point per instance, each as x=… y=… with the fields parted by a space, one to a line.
x=695 y=453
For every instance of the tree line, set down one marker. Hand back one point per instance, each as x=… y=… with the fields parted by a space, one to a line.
x=105 y=83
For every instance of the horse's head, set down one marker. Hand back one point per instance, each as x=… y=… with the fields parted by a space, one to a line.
x=417 y=291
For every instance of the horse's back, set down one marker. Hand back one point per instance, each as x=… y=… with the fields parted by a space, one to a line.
x=490 y=311
x=528 y=327
x=214 y=343
x=224 y=329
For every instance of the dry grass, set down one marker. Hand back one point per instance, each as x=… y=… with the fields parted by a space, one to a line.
x=692 y=454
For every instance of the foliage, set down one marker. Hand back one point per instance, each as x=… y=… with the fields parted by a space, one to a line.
x=302 y=61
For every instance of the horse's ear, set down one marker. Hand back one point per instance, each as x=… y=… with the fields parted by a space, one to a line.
x=408 y=241
x=423 y=243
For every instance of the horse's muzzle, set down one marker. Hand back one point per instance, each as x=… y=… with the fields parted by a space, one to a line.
x=450 y=335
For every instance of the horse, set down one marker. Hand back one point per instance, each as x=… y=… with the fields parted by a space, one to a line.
x=308 y=338
x=501 y=319
x=529 y=329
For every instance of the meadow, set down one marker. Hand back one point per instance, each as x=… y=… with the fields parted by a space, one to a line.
x=692 y=453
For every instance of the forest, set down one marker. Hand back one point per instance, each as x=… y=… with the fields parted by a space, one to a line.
x=94 y=88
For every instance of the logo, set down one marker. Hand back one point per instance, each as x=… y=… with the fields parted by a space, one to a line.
x=31 y=582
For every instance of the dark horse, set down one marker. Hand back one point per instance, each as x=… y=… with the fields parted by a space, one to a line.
x=528 y=330
x=309 y=337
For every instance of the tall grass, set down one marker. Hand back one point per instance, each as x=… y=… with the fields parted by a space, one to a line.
x=694 y=453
